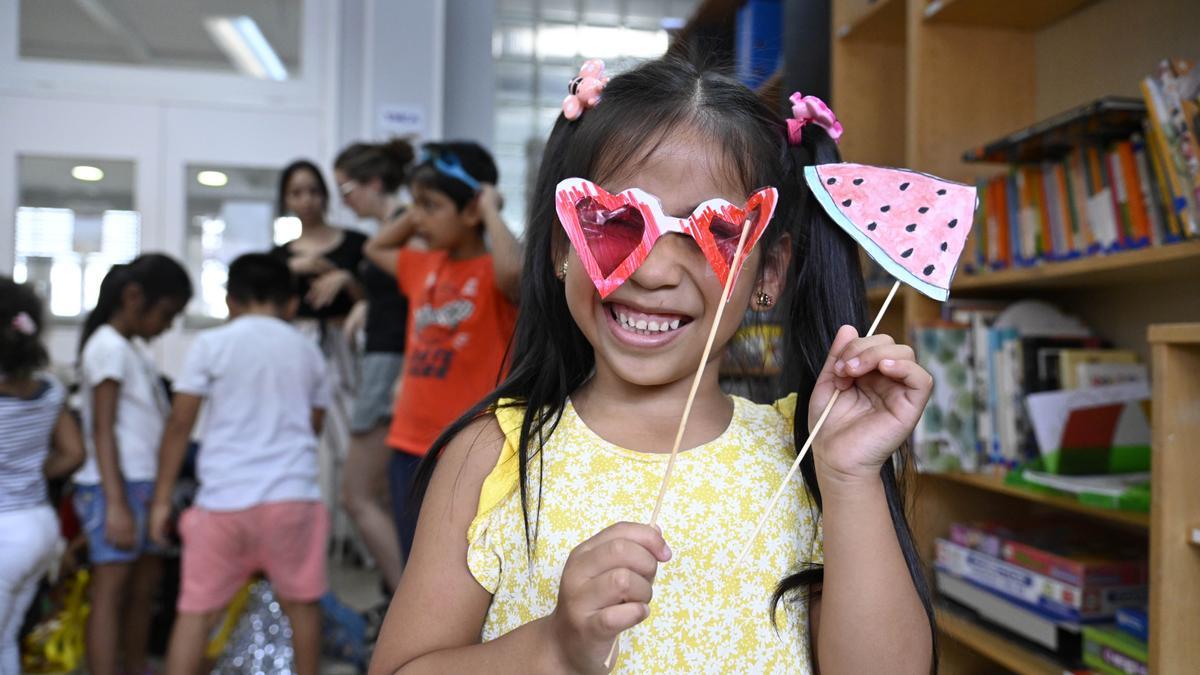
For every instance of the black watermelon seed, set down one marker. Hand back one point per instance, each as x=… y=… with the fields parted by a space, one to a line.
x=923 y=209
x=885 y=208
x=911 y=227
x=928 y=270
x=903 y=187
x=941 y=192
x=952 y=223
x=906 y=253
x=846 y=203
x=831 y=181
x=871 y=226
x=858 y=181
x=945 y=246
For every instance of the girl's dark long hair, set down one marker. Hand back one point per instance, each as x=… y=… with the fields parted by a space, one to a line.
x=158 y=275
x=551 y=358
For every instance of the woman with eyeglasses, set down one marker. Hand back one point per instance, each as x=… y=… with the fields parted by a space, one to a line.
x=370 y=177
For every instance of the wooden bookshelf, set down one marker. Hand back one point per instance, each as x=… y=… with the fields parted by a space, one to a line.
x=949 y=75
x=999 y=649
x=1132 y=520
x=1017 y=14
x=880 y=21
x=1177 y=261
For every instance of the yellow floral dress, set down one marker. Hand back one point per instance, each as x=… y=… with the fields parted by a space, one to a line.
x=706 y=616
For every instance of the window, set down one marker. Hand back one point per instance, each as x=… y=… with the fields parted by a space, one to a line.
x=75 y=219
x=538 y=47
x=230 y=211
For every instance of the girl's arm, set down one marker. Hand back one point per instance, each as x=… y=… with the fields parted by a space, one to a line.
x=869 y=613
x=67 y=453
x=118 y=519
x=383 y=248
x=604 y=589
x=185 y=408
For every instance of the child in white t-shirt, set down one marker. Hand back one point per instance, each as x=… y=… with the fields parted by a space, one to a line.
x=124 y=406
x=259 y=506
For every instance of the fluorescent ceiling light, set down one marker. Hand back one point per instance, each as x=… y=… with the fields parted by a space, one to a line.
x=90 y=174
x=244 y=45
x=212 y=178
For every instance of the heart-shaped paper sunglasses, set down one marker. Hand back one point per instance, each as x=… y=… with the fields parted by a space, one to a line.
x=613 y=234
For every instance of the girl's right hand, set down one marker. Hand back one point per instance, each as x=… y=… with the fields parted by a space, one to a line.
x=119 y=527
x=606 y=588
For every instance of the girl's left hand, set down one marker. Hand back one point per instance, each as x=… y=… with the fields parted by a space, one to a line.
x=326 y=287
x=883 y=393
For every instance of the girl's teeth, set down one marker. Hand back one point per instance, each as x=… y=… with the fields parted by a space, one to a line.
x=641 y=324
x=653 y=326
x=674 y=324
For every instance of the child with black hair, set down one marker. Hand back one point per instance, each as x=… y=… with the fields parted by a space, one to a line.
x=39 y=439
x=259 y=505
x=530 y=548
x=462 y=296
x=124 y=407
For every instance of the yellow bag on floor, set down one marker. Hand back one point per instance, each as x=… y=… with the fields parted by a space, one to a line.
x=57 y=644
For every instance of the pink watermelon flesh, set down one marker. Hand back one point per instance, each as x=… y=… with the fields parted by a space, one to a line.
x=918 y=221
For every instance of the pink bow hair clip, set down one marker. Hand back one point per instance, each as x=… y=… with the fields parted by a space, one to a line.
x=24 y=324
x=584 y=90
x=807 y=109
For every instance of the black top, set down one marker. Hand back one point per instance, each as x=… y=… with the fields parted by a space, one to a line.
x=347 y=256
x=387 y=310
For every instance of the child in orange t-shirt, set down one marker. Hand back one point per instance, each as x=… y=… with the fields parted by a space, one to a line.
x=462 y=302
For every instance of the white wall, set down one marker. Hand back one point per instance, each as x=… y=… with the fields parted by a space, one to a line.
x=470 y=80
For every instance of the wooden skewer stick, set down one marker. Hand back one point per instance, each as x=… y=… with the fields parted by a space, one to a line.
x=808 y=443
x=687 y=408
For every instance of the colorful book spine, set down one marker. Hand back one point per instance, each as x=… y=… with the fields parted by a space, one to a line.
x=1138 y=220
x=1184 y=201
x=1120 y=198
x=1135 y=622
x=1016 y=230
x=1163 y=183
x=1052 y=214
x=1077 y=182
x=1066 y=208
x=1102 y=211
x=1055 y=598
x=1108 y=650
x=1154 y=210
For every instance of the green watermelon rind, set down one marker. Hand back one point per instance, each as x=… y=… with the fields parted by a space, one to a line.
x=813 y=178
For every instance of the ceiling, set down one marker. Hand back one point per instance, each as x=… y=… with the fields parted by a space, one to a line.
x=160 y=33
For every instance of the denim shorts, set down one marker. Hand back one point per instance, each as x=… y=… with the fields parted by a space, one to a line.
x=91 y=506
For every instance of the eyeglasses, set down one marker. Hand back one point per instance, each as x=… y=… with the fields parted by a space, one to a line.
x=448 y=164
x=613 y=234
x=347 y=187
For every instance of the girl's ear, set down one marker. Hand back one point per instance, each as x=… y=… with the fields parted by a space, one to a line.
x=470 y=214
x=775 y=267
x=132 y=298
x=376 y=184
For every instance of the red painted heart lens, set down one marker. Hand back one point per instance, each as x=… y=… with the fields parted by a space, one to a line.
x=612 y=234
x=726 y=234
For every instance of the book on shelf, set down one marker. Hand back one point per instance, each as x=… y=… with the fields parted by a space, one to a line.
x=1111 y=650
x=1061 y=550
x=1098 y=430
x=1057 y=600
x=1134 y=621
x=944 y=438
x=1065 y=640
x=1113 y=175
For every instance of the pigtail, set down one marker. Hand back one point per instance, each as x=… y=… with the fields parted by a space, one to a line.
x=826 y=291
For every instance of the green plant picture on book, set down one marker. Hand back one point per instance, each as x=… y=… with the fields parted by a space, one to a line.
x=945 y=438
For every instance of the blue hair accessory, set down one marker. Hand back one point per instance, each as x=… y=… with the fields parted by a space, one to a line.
x=448 y=164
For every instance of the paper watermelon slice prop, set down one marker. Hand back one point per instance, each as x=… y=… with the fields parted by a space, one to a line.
x=913 y=224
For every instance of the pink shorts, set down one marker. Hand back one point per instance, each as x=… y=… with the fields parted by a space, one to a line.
x=223 y=549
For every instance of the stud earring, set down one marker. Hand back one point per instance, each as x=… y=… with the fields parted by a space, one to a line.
x=764 y=300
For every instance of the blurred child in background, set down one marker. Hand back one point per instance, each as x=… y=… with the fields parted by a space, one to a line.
x=259 y=506
x=38 y=440
x=124 y=405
